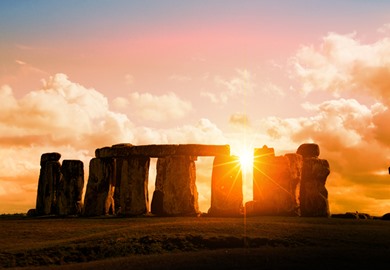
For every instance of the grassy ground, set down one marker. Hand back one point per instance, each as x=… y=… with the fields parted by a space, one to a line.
x=204 y=242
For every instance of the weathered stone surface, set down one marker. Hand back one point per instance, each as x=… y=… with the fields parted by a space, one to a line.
x=175 y=192
x=31 y=212
x=70 y=188
x=99 y=196
x=262 y=157
x=131 y=192
x=274 y=189
x=313 y=194
x=264 y=152
x=162 y=150
x=49 y=177
x=295 y=166
x=308 y=150
x=54 y=156
x=226 y=187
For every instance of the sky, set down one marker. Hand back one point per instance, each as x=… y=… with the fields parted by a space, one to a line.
x=81 y=75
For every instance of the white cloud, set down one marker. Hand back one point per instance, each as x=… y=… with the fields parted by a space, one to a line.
x=158 y=108
x=129 y=79
x=237 y=87
x=239 y=120
x=342 y=63
x=384 y=28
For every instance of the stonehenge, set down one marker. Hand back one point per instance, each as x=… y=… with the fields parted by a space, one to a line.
x=175 y=193
x=60 y=187
x=49 y=177
x=288 y=185
x=226 y=186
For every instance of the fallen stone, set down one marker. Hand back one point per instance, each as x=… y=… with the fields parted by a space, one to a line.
x=31 y=212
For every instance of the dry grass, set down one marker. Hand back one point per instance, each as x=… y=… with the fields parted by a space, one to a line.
x=157 y=243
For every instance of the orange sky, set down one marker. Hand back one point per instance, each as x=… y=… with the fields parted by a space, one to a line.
x=81 y=76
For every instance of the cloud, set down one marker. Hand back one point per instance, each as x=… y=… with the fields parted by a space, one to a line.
x=62 y=116
x=129 y=79
x=348 y=134
x=342 y=64
x=239 y=120
x=62 y=112
x=384 y=28
x=146 y=106
x=353 y=133
x=237 y=87
x=66 y=117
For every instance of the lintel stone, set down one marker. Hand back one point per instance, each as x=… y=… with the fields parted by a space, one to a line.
x=162 y=150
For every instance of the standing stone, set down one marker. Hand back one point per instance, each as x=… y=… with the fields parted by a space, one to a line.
x=175 y=192
x=70 y=188
x=275 y=183
x=295 y=166
x=272 y=182
x=308 y=150
x=99 y=197
x=226 y=187
x=49 y=177
x=131 y=192
x=313 y=194
x=262 y=159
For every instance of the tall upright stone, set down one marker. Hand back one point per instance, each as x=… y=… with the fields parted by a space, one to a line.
x=276 y=182
x=131 y=192
x=70 y=188
x=262 y=162
x=175 y=190
x=294 y=185
x=99 y=196
x=49 y=177
x=313 y=193
x=226 y=187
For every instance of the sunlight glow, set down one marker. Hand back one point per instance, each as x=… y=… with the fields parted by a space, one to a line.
x=246 y=160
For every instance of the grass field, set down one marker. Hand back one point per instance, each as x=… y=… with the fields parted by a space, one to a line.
x=193 y=243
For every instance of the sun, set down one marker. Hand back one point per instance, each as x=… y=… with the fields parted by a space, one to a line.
x=246 y=159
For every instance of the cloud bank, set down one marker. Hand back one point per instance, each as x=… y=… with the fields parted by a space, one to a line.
x=66 y=117
x=351 y=125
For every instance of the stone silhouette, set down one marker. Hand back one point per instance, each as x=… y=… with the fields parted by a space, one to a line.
x=293 y=184
x=313 y=193
x=70 y=188
x=131 y=189
x=49 y=178
x=118 y=179
x=99 y=197
x=275 y=182
x=175 y=190
x=226 y=187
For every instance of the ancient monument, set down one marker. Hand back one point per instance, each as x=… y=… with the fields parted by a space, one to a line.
x=60 y=188
x=118 y=179
x=293 y=184
x=226 y=187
